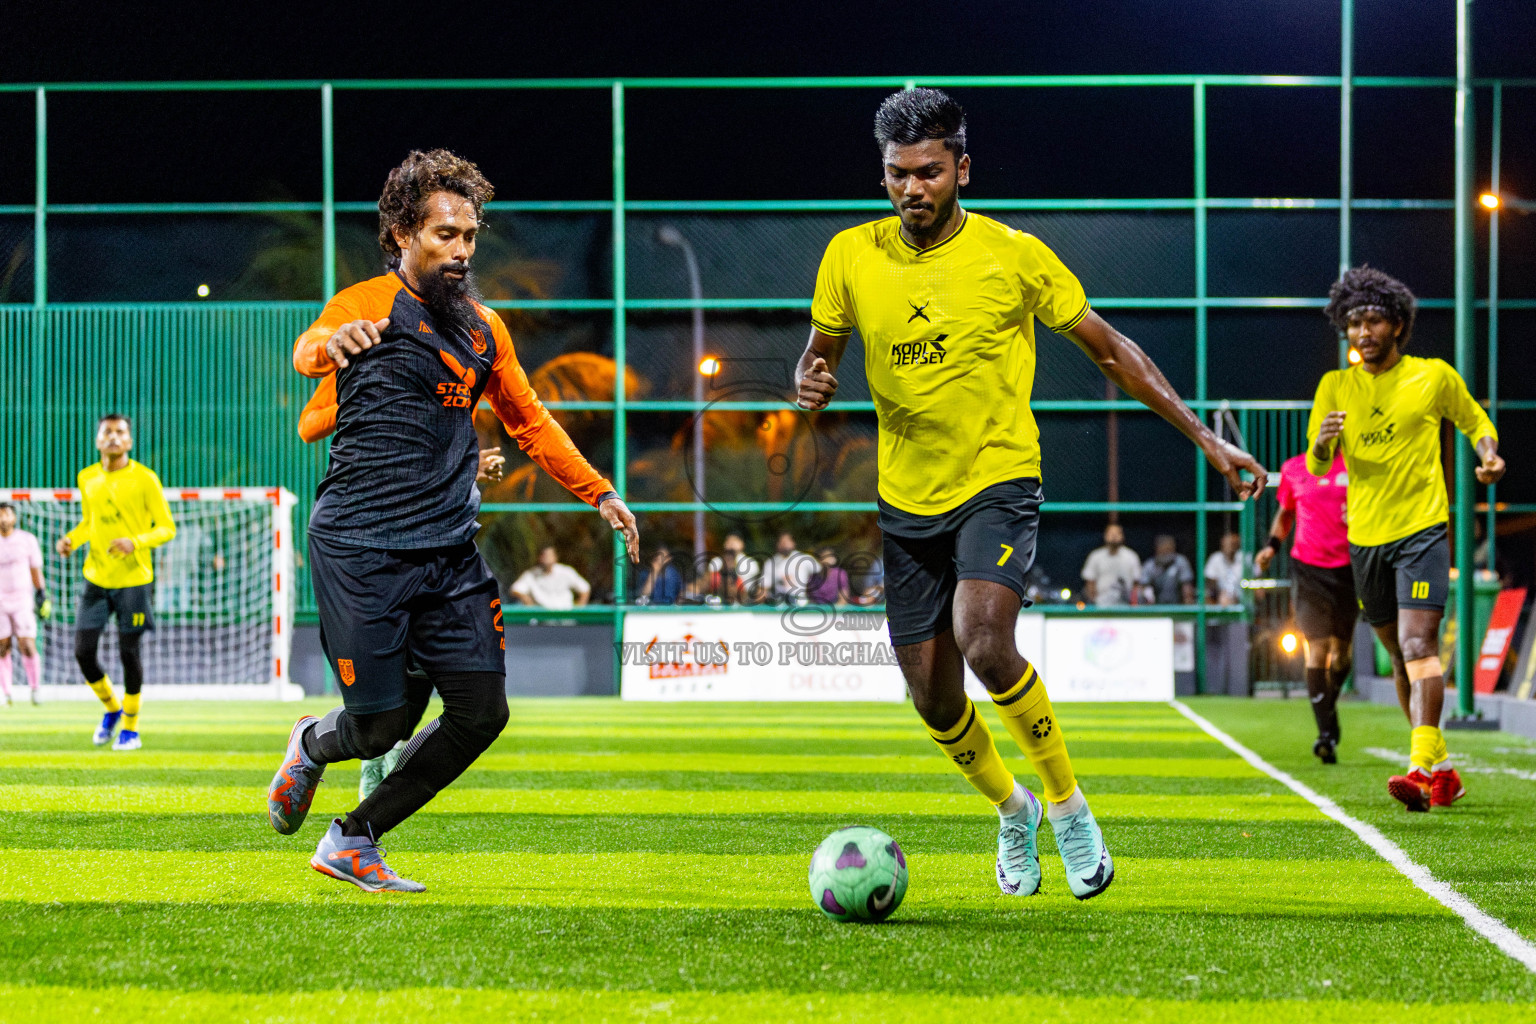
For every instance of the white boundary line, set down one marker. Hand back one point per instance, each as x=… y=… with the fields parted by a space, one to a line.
x=1510 y=942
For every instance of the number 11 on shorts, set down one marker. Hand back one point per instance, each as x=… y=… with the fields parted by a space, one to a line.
x=1007 y=552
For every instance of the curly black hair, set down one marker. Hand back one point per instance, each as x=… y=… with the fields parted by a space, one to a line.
x=1367 y=286
x=403 y=203
x=918 y=115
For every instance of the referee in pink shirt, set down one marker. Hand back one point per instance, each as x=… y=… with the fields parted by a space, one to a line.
x=1323 y=587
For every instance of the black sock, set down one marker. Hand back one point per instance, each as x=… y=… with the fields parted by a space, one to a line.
x=1336 y=677
x=1322 y=699
x=128 y=648
x=474 y=713
x=343 y=736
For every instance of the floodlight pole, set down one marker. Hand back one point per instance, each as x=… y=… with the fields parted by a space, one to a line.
x=669 y=235
x=1466 y=641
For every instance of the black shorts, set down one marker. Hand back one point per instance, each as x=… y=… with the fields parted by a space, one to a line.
x=989 y=537
x=133 y=606
x=1414 y=572
x=1325 y=600
x=380 y=610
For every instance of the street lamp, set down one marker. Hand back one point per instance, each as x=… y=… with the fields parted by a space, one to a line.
x=669 y=235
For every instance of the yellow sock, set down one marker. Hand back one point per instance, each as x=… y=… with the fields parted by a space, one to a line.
x=1027 y=715
x=131 y=711
x=969 y=745
x=103 y=690
x=1427 y=749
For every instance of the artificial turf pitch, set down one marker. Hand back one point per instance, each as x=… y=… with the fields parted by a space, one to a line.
x=608 y=861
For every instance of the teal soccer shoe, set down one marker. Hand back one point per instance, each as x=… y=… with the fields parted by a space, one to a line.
x=1083 y=853
x=1018 y=850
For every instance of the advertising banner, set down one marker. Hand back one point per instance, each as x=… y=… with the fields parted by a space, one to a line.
x=816 y=653
x=809 y=653
x=1109 y=659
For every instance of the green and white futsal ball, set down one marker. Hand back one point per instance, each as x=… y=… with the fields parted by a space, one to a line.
x=858 y=874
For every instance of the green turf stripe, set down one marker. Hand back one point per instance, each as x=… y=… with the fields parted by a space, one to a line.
x=445 y=1006
x=710 y=733
x=334 y=801
x=897 y=764
x=653 y=880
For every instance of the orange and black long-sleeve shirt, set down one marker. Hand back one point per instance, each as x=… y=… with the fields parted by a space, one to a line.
x=404 y=455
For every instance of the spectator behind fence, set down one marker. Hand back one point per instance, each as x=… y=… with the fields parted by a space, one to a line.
x=790 y=571
x=830 y=584
x=660 y=582
x=1110 y=573
x=1168 y=575
x=733 y=576
x=1224 y=571
x=552 y=584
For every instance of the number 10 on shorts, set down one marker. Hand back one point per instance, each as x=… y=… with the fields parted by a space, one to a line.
x=1419 y=590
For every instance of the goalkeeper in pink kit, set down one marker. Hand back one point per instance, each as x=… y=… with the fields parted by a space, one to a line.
x=22 y=599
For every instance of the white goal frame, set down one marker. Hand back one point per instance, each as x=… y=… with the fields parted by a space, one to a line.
x=280 y=685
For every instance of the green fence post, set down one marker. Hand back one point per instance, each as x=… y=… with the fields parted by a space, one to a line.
x=620 y=361
x=327 y=197
x=1493 y=312
x=1346 y=145
x=39 y=293
x=1466 y=643
x=1201 y=343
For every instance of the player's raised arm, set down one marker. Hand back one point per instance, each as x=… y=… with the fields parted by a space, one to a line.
x=1462 y=409
x=164 y=529
x=1123 y=362
x=345 y=328
x=815 y=383
x=318 y=419
x=545 y=441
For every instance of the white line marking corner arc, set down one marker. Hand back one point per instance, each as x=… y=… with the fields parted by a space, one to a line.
x=1508 y=941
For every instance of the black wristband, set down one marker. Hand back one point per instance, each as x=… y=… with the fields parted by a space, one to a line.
x=604 y=497
x=1274 y=544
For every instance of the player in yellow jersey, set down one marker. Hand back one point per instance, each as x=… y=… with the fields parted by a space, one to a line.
x=945 y=302
x=124 y=516
x=1385 y=415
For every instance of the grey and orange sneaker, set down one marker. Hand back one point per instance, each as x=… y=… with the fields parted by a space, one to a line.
x=359 y=860
x=293 y=787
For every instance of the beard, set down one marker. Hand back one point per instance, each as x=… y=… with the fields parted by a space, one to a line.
x=452 y=303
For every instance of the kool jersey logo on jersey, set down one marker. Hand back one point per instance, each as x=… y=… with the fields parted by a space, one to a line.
x=1382 y=435
x=919 y=353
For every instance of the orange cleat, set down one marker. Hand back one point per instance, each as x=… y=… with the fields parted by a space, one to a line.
x=1411 y=790
x=1445 y=788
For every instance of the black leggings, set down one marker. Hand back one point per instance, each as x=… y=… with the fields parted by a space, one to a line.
x=474 y=713
x=88 y=642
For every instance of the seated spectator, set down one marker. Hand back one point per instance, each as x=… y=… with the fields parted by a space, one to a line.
x=552 y=584
x=733 y=576
x=660 y=582
x=866 y=575
x=830 y=584
x=1110 y=573
x=1224 y=571
x=1168 y=578
x=789 y=571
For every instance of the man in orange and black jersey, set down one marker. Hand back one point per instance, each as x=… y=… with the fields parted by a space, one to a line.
x=396 y=573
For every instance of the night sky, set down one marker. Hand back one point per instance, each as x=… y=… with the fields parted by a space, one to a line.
x=738 y=145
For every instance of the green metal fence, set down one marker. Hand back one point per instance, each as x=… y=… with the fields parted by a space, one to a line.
x=215 y=376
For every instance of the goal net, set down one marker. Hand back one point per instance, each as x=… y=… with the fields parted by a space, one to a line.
x=223 y=595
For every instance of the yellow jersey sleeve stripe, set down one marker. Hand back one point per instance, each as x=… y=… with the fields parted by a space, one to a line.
x=826 y=328
x=1074 y=321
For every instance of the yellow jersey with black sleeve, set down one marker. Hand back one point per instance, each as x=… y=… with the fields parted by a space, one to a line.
x=128 y=502
x=949 y=350
x=1391 y=443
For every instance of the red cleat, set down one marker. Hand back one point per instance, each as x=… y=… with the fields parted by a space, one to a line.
x=1411 y=790
x=1445 y=788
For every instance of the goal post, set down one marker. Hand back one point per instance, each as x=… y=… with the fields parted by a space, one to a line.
x=223 y=596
